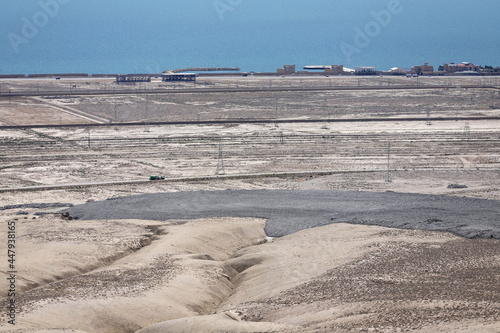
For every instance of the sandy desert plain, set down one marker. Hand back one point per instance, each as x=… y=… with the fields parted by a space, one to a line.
x=224 y=274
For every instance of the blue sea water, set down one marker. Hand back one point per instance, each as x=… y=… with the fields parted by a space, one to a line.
x=149 y=36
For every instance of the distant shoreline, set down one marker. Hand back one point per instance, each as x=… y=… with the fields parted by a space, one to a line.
x=112 y=76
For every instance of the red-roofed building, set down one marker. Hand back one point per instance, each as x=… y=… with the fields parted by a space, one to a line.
x=461 y=67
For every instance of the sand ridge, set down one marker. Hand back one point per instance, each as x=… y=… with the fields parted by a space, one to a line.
x=219 y=275
x=178 y=273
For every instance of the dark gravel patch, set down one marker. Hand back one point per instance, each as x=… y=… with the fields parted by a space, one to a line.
x=291 y=211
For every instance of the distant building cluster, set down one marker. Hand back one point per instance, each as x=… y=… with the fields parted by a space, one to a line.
x=333 y=69
x=463 y=68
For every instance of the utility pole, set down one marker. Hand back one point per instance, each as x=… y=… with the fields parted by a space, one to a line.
x=220 y=163
x=389 y=178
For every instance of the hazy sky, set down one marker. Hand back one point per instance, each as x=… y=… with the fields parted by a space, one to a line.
x=278 y=31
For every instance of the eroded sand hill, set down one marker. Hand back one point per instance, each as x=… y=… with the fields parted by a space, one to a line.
x=219 y=275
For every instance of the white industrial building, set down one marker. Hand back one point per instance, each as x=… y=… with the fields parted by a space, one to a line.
x=173 y=77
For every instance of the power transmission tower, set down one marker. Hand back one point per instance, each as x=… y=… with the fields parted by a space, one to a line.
x=389 y=178
x=220 y=163
x=88 y=130
x=116 y=112
x=276 y=117
x=467 y=131
x=115 y=119
x=429 y=116
x=146 y=128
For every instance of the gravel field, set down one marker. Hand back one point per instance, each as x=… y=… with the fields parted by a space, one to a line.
x=292 y=211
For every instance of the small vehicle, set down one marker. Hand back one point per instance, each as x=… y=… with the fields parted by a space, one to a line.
x=156 y=177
